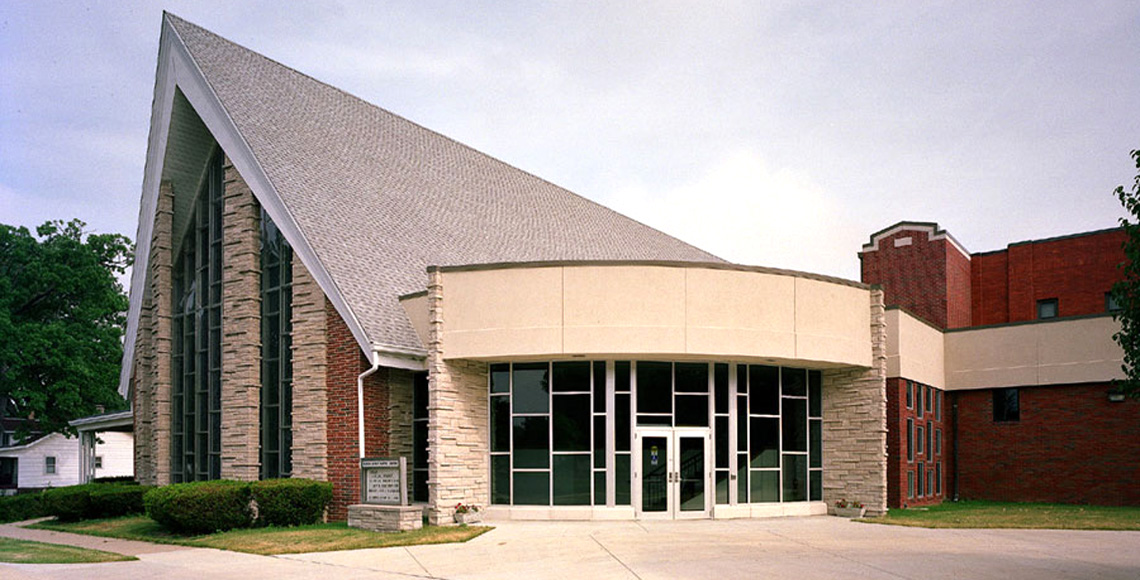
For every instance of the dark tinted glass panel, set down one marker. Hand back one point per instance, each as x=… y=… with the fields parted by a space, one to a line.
x=742 y=478
x=720 y=388
x=572 y=376
x=532 y=442
x=532 y=388
x=742 y=423
x=654 y=474
x=910 y=439
x=795 y=478
x=420 y=396
x=655 y=420
x=765 y=384
x=722 y=483
x=500 y=378
x=599 y=488
x=599 y=387
x=572 y=474
x=692 y=411
x=420 y=442
x=765 y=486
x=571 y=420
x=816 y=443
x=691 y=469
x=621 y=376
x=599 y=441
x=721 y=437
x=532 y=488
x=501 y=423
x=815 y=393
x=929 y=438
x=741 y=379
x=654 y=387
x=795 y=382
x=419 y=485
x=795 y=425
x=816 y=488
x=692 y=377
x=622 y=478
x=765 y=442
x=500 y=479
x=921 y=478
x=621 y=422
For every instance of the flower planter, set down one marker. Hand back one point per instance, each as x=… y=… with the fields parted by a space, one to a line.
x=468 y=517
x=850 y=512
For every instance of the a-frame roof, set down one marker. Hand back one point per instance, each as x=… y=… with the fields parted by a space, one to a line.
x=369 y=199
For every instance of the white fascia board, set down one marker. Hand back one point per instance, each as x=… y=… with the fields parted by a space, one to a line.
x=176 y=68
x=932 y=231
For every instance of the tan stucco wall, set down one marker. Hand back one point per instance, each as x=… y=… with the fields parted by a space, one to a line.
x=915 y=350
x=1040 y=353
x=651 y=310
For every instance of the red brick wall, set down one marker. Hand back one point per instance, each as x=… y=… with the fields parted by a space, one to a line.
x=1071 y=445
x=912 y=276
x=958 y=296
x=1076 y=270
x=898 y=466
x=345 y=363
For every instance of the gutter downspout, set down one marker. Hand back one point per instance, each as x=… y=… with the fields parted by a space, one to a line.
x=360 y=400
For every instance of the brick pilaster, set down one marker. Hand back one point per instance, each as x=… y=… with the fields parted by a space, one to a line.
x=241 y=329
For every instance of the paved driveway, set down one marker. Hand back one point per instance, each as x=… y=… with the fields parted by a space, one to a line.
x=815 y=547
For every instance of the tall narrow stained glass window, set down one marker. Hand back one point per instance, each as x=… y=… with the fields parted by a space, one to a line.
x=276 y=352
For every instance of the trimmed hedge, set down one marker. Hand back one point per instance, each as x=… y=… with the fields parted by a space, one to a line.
x=290 y=502
x=94 y=500
x=124 y=479
x=68 y=504
x=200 y=507
x=25 y=506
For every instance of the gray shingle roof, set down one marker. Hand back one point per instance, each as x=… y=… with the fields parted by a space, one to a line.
x=379 y=198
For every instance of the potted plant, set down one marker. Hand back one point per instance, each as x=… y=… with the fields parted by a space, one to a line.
x=849 y=509
x=468 y=513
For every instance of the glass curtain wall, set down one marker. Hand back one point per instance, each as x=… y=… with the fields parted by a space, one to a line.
x=550 y=424
x=196 y=397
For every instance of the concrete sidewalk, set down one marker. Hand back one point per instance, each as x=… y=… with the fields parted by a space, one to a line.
x=809 y=547
x=126 y=547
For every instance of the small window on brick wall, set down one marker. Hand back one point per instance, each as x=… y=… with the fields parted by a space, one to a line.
x=1110 y=303
x=1047 y=309
x=1007 y=405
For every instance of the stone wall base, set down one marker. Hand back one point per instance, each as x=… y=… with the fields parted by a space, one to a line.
x=385 y=518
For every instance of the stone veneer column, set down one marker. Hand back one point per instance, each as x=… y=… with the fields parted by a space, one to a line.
x=310 y=366
x=400 y=416
x=151 y=376
x=241 y=329
x=855 y=425
x=457 y=422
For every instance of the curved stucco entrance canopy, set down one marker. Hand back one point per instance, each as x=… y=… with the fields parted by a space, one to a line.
x=647 y=309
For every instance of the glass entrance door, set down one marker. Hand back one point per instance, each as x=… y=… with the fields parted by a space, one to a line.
x=672 y=473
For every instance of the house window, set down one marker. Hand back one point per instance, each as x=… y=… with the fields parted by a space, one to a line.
x=49 y=465
x=196 y=394
x=1110 y=303
x=930 y=437
x=938 y=441
x=1047 y=309
x=921 y=478
x=919 y=440
x=937 y=405
x=276 y=352
x=1007 y=405
x=929 y=394
x=938 y=478
x=910 y=484
x=98 y=462
x=909 y=395
x=918 y=401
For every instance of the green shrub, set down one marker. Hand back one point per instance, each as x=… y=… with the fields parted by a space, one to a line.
x=124 y=479
x=111 y=500
x=200 y=507
x=25 y=506
x=68 y=504
x=290 y=502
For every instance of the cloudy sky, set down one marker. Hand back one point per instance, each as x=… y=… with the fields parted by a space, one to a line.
x=773 y=133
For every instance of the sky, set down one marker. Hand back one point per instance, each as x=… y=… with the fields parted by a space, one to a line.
x=771 y=133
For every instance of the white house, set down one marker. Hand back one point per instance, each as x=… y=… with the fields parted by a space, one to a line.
x=55 y=461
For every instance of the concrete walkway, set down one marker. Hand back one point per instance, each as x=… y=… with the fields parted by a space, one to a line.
x=815 y=547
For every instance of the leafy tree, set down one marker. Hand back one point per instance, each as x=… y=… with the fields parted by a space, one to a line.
x=62 y=312
x=1127 y=291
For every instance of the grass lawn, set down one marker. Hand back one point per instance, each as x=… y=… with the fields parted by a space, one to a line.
x=25 y=552
x=268 y=541
x=992 y=514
